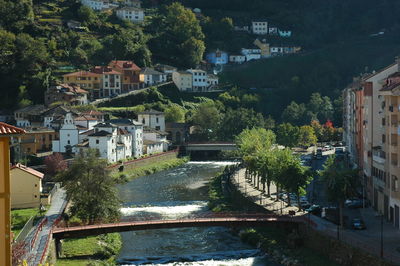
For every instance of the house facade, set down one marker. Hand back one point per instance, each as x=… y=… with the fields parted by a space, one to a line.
x=238 y=59
x=35 y=141
x=87 y=80
x=96 y=4
x=130 y=74
x=29 y=116
x=68 y=136
x=110 y=81
x=133 y=14
x=183 y=80
x=259 y=27
x=136 y=130
x=149 y=76
x=199 y=79
x=152 y=119
x=71 y=94
x=26 y=187
x=217 y=57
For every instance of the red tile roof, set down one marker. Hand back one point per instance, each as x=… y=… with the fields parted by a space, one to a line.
x=82 y=74
x=91 y=112
x=124 y=64
x=105 y=70
x=6 y=129
x=28 y=170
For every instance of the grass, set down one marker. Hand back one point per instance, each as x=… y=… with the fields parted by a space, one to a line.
x=94 y=250
x=151 y=168
x=20 y=217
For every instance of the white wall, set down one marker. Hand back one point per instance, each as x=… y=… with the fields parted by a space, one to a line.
x=69 y=135
x=153 y=121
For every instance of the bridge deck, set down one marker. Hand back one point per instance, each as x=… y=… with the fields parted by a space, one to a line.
x=87 y=230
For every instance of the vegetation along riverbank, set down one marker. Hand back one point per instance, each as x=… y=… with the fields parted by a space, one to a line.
x=280 y=244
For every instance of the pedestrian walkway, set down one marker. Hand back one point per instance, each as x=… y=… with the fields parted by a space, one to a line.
x=368 y=240
x=41 y=233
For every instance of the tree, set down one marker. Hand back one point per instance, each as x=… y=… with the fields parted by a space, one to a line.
x=287 y=135
x=174 y=113
x=207 y=117
x=250 y=141
x=55 y=164
x=341 y=181
x=91 y=189
x=307 y=136
x=87 y=15
x=294 y=113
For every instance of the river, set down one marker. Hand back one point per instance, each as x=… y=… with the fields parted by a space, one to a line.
x=177 y=193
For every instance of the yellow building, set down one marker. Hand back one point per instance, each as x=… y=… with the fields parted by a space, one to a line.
x=35 y=141
x=264 y=47
x=26 y=186
x=87 y=80
x=6 y=131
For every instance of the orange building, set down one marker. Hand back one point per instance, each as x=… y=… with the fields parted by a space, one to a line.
x=130 y=74
x=87 y=80
x=35 y=141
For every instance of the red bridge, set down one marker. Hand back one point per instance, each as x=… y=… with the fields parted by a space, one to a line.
x=228 y=220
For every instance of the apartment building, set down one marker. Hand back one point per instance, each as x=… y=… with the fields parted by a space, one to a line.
x=130 y=74
x=87 y=80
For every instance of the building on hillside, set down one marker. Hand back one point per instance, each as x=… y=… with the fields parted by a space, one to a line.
x=238 y=59
x=98 y=5
x=217 y=57
x=212 y=82
x=133 y=14
x=70 y=94
x=111 y=81
x=36 y=141
x=29 y=116
x=199 y=80
x=152 y=119
x=251 y=53
x=26 y=187
x=152 y=147
x=158 y=139
x=53 y=117
x=68 y=136
x=241 y=28
x=87 y=80
x=149 y=76
x=259 y=27
x=84 y=122
x=136 y=130
x=264 y=48
x=114 y=144
x=130 y=74
x=166 y=69
x=183 y=80
x=273 y=30
x=133 y=3
x=285 y=33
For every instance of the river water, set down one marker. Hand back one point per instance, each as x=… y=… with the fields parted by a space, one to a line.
x=178 y=193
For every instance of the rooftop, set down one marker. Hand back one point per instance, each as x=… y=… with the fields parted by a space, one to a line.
x=32 y=109
x=82 y=74
x=28 y=170
x=6 y=129
x=151 y=112
x=124 y=64
x=150 y=71
x=101 y=133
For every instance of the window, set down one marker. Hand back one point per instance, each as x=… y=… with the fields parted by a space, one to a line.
x=157 y=128
x=143 y=121
x=383 y=138
x=68 y=142
x=97 y=141
x=106 y=84
x=106 y=76
x=157 y=120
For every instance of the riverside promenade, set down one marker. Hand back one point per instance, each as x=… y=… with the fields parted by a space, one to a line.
x=367 y=240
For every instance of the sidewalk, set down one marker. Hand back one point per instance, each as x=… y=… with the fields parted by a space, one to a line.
x=368 y=240
x=39 y=249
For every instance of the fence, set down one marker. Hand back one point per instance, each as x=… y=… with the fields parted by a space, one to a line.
x=25 y=230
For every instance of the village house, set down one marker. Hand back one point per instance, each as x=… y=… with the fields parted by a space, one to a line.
x=166 y=69
x=85 y=122
x=259 y=27
x=36 y=141
x=156 y=139
x=136 y=130
x=87 y=80
x=94 y=114
x=273 y=30
x=149 y=76
x=26 y=187
x=68 y=136
x=54 y=116
x=98 y=5
x=114 y=144
x=264 y=48
x=217 y=57
x=238 y=59
x=111 y=80
x=152 y=119
x=199 y=79
x=29 y=116
x=183 y=80
x=285 y=33
x=130 y=74
x=251 y=53
x=133 y=14
x=70 y=94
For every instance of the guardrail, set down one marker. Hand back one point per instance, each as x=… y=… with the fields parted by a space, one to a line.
x=25 y=230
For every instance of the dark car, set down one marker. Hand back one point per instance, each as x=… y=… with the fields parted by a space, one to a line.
x=314 y=209
x=358 y=224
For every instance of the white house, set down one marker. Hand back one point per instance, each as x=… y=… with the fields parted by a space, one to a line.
x=199 y=79
x=136 y=130
x=251 y=53
x=152 y=119
x=150 y=76
x=238 y=59
x=96 y=4
x=156 y=136
x=273 y=30
x=111 y=83
x=259 y=27
x=151 y=147
x=212 y=81
x=85 y=122
x=29 y=116
x=113 y=143
x=183 y=80
x=132 y=14
x=68 y=137
x=285 y=33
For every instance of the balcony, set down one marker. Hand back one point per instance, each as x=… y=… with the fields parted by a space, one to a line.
x=378 y=156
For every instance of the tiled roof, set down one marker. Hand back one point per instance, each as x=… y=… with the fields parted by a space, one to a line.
x=150 y=71
x=6 y=129
x=82 y=74
x=32 y=109
x=122 y=132
x=72 y=88
x=390 y=87
x=105 y=70
x=28 y=170
x=91 y=112
x=124 y=64
x=85 y=118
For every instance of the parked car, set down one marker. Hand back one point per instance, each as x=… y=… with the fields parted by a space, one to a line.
x=314 y=209
x=354 y=203
x=358 y=224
